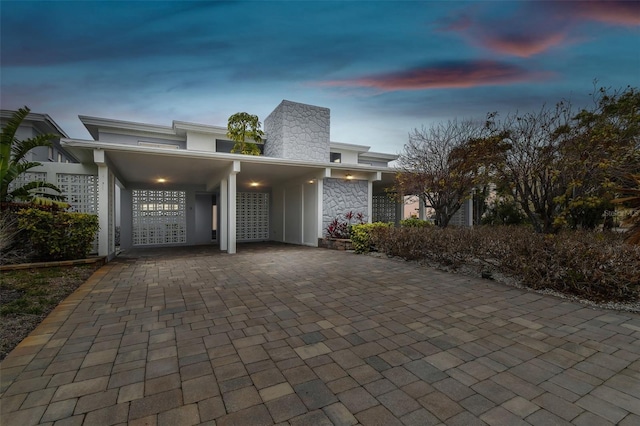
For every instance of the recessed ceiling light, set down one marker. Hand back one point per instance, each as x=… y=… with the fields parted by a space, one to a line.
x=161 y=180
x=349 y=176
x=254 y=184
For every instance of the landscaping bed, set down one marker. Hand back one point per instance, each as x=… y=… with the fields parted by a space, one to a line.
x=27 y=296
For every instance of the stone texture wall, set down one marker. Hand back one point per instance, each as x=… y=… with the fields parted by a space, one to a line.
x=341 y=196
x=298 y=131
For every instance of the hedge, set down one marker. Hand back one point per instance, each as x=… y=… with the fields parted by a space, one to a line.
x=594 y=265
x=58 y=235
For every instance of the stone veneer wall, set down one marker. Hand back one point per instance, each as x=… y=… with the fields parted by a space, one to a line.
x=298 y=131
x=341 y=196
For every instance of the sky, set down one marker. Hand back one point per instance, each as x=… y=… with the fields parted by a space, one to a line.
x=383 y=68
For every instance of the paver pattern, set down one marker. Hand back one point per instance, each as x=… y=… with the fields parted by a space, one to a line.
x=281 y=334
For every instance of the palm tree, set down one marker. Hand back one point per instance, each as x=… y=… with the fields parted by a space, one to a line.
x=13 y=163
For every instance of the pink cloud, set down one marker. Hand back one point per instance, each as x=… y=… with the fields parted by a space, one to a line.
x=447 y=75
x=617 y=12
x=536 y=27
x=521 y=45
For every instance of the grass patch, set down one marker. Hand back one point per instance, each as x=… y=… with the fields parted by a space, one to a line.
x=27 y=297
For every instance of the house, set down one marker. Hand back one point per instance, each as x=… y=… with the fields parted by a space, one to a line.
x=180 y=185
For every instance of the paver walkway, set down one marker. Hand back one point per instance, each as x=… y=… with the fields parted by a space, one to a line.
x=303 y=336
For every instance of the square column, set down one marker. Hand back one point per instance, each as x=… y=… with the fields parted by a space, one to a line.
x=224 y=214
x=104 y=199
x=228 y=203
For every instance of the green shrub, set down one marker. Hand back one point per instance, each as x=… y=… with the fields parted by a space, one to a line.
x=414 y=222
x=360 y=237
x=58 y=235
x=591 y=265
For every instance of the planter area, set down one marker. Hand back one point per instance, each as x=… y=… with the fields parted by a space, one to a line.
x=335 y=243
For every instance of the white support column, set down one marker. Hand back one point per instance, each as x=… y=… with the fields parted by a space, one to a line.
x=232 y=202
x=374 y=177
x=469 y=212
x=224 y=212
x=422 y=213
x=103 y=202
x=370 y=202
x=326 y=173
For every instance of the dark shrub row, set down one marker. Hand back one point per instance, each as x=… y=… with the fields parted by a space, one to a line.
x=58 y=235
x=595 y=266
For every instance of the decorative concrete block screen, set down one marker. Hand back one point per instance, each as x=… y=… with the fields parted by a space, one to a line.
x=298 y=131
x=459 y=218
x=159 y=217
x=384 y=209
x=342 y=196
x=252 y=216
x=27 y=177
x=81 y=191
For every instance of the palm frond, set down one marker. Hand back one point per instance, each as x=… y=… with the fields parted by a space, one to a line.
x=20 y=148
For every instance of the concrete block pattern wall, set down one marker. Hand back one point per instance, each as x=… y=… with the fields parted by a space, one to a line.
x=298 y=132
x=342 y=196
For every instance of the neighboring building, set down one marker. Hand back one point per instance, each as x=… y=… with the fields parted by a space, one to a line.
x=180 y=185
x=78 y=182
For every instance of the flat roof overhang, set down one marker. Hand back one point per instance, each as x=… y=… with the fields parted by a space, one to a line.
x=137 y=166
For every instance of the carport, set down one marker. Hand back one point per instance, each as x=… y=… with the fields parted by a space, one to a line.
x=168 y=197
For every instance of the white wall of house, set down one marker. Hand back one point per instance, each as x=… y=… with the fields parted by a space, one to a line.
x=201 y=142
x=277 y=215
x=310 y=213
x=347 y=156
x=137 y=137
x=293 y=214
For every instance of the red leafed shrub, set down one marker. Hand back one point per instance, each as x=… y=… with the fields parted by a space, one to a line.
x=595 y=266
x=340 y=227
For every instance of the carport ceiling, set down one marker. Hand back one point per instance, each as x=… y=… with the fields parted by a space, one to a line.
x=147 y=168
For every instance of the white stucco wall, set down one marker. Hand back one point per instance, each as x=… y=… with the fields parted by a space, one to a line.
x=134 y=139
x=298 y=131
x=276 y=227
x=342 y=196
x=201 y=142
x=293 y=215
x=347 y=157
x=310 y=214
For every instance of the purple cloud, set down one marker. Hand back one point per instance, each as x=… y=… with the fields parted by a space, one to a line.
x=536 y=27
x=446 y=75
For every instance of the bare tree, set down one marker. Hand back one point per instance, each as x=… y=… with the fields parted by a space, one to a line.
x=529 y=161
x=437 y=166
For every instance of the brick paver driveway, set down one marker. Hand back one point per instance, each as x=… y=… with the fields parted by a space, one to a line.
x=285 y=334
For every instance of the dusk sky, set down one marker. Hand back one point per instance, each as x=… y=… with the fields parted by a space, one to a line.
x=383 y=68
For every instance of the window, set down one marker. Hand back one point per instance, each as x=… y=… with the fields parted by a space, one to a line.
x=50 y=153
x=335 y=157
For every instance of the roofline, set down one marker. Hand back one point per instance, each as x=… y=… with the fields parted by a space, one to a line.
x=107 y=146
x=37 y=117
x=196 y=127
x=350 y=146
x=379 y=155
x=93 y=123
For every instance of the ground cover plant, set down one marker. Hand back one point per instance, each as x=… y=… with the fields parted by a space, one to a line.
x=596 y=266
x=27 y=296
